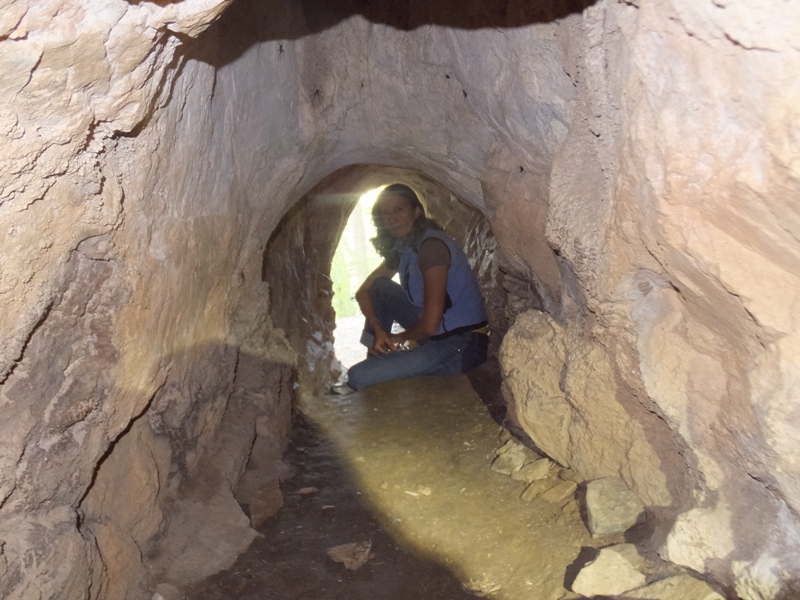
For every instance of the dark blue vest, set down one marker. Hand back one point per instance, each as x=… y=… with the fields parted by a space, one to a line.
x=466 y=303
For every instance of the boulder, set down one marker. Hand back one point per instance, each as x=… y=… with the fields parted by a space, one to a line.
x=560 y=492
x=611 y=573
x=538 y=488
x=512 y=456
x=611 y=506
x=538 y=469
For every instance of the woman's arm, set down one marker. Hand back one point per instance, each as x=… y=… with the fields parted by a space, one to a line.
x=382 y=342
x=435 y=280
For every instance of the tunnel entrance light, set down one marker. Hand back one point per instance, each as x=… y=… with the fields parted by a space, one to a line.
x=354 y=259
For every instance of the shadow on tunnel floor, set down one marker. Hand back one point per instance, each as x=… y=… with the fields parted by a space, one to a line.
x=290 y=561
x=487 y=381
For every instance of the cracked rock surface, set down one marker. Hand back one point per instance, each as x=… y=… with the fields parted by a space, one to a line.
x=637 y=167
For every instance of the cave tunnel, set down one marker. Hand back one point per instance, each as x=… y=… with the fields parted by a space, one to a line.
x=623 y=176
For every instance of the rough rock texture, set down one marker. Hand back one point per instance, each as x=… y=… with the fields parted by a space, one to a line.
x=678 y=587
x=566 y=397
x=512 y=456
x=75 y=76
x=538 y=469
x=611 y=507
x=561 y=493
x=638 y=163
x=614 y=571
x=134 y=360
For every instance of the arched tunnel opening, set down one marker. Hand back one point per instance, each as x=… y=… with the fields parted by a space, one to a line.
x=299 y=255
x=623 y=177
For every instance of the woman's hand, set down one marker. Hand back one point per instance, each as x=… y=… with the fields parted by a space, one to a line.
x=383 y=342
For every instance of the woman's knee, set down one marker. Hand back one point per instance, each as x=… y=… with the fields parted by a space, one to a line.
x=375 y=369
x=356 y=376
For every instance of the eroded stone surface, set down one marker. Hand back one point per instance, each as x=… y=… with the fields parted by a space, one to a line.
x=511 y=457
x=571 y=425
x=637 y=160
x=699 y=535
x=678 y=587
x=537 y=488
x=611 y=573
x=538 y=469
x=611 y=506
x=560 y=493
x=188 y=552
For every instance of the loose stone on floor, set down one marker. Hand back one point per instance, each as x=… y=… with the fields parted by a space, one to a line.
x=611 y=506
x=614 y=571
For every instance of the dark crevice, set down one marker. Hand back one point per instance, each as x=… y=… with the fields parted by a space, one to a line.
x=112 y=444
x=162 y=95
x=27 y=341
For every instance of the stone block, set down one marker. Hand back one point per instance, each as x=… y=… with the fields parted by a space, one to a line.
x=570 y=475
x=611 y=573
x=560 y=492
x=189 y=553
x=538 y=469
x=564 y=395
x=611 y=506
x=265 y=503
x=631 y=554
x=512 y=456
x=537 y=488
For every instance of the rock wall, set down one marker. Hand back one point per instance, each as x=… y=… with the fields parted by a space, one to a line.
x=689 y=282
x=138 y=367
x=638 y=163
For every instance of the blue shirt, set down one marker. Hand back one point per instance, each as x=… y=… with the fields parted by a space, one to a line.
x=464 y=303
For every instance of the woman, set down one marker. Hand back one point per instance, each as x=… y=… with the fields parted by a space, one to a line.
x=438 y=302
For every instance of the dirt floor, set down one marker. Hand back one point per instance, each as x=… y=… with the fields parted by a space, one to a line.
x=404 y=467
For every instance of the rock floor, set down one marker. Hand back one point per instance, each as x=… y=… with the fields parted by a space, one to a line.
x=405 y=466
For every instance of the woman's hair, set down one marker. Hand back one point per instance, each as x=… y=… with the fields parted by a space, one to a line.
x=384 y=243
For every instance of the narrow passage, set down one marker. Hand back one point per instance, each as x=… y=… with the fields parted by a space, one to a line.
x=405 y=466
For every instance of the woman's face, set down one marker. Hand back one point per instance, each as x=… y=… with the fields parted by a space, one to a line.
x=397 y=215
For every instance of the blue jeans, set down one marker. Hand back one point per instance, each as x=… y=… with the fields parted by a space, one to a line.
x=454 y=354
